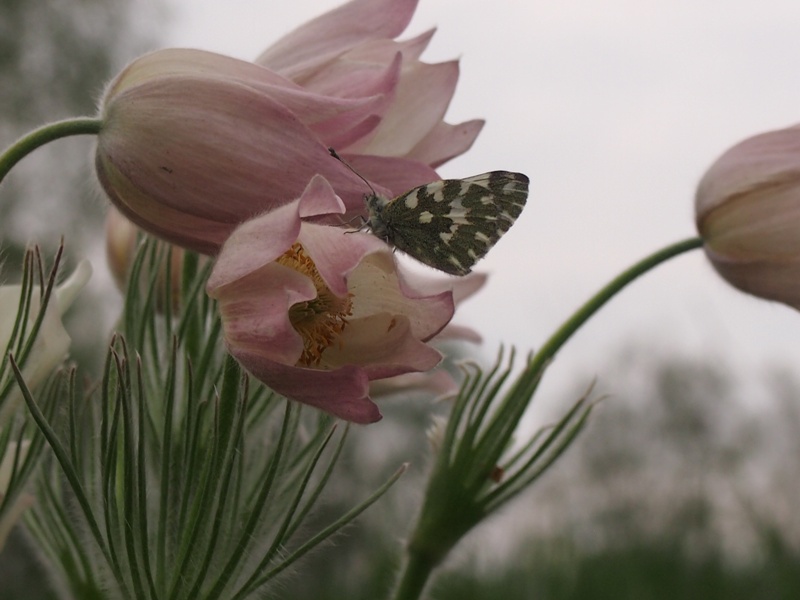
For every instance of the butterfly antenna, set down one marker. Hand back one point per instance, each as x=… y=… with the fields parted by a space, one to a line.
x=335 y=155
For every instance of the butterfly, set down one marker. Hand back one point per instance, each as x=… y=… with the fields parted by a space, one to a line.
x=450 y=225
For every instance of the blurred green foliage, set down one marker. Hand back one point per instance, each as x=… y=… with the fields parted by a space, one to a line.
x=682 y=486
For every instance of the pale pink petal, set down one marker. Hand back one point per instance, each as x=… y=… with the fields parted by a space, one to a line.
x=343 y=392
x=383 y=345
x=423 y=95
x=198 y=233
x=319 y=198
x=342 y=139
x=264 y=238
x=397 y=175
x=460 y=333
x=335 y=32
x=367 y=81
x=427 y=314
x=446 y=141
x=438 y=382
x=759 y=223
x=748 y=214
x=461 y=287
x=352 y=73
x=382 y=51
x=187 y=62
x=337 y=252
x=757 y=163
x=355 y=79
x=265 y=158
x=255 y=310
x=466 y=287
x=412 y=49
x=345 y=128
x=254 y=244
x=773 y=278
x=313 y=108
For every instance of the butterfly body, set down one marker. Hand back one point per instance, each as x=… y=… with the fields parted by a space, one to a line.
x=450 y=224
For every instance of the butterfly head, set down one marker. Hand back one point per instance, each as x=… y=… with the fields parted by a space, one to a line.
x=375 y=204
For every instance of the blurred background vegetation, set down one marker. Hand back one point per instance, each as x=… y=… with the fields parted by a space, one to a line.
x=685 y=484
x=55 y=59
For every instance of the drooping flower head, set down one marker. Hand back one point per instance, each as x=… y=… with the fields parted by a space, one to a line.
x=748 y=214
x=231 y=158
x=195 y=143
x=317 y=313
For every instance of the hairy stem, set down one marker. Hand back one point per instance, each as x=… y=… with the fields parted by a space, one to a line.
x=43 y=135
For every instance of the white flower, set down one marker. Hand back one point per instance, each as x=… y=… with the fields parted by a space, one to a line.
x=52 y=341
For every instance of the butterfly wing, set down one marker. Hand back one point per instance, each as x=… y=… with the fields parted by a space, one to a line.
x=451 y=224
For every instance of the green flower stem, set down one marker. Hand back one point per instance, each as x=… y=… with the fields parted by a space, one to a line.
x=433 y=538
x=415 y=575
x=43 y=135
x=548 y=351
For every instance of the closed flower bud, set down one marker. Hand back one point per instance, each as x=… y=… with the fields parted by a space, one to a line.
x=748 y=214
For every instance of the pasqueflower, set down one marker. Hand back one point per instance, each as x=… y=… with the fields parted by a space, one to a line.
x=52 y=340
x=748 y=214
x=195 y=143
x=317 y=312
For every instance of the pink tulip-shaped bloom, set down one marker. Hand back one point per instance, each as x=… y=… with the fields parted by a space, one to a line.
x=748 y=214
x=317 y=312
x=195 y=143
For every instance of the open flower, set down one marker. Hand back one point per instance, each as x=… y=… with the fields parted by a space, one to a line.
x=748 y=214
x=195 y=143
x=317 y=313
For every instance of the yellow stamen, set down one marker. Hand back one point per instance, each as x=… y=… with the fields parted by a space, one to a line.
x=319 y=321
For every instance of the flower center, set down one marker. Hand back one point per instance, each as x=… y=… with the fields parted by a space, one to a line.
x=321 y=320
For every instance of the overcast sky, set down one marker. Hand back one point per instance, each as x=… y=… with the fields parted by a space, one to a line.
x=614 y=109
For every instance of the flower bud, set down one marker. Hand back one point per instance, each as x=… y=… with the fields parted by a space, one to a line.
x=748 y=214
x=122 y=239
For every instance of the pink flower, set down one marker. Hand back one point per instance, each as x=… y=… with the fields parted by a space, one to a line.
x=194 y=143
x=317 y=313
x=748 y=214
